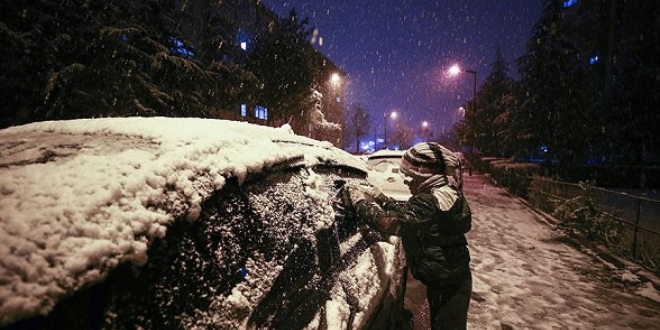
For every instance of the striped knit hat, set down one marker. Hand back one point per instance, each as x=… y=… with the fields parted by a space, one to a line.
x=427 y=159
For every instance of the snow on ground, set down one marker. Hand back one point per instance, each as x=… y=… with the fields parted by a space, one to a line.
x=524 y=277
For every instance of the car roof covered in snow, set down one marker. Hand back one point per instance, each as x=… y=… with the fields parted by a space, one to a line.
x=79 y=197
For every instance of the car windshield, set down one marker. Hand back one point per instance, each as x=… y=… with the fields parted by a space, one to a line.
x=384 y=164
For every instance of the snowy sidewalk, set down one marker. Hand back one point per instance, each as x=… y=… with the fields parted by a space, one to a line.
x=525 y=277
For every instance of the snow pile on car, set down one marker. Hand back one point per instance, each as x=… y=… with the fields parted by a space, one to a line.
x=79 y=197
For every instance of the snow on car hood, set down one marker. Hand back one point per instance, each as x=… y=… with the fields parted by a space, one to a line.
x=79 y=197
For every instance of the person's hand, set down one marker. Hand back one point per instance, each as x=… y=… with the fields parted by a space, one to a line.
x=372 y=191
x=355 y=194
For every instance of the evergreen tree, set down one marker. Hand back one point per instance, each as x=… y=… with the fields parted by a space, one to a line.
x=34 y=44
x=283 y=61
x=511 y=129
x=555 y=106
x=494 y=101
x=635 y=118
x=80 y=59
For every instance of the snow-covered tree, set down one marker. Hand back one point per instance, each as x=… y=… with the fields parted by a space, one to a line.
x=316 y=115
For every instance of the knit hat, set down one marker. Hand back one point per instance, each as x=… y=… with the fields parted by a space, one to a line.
x=427 y=159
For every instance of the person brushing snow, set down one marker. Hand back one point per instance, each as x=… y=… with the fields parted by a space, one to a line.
x=432 y=225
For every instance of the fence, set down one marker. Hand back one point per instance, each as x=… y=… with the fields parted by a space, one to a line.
x=630 y=223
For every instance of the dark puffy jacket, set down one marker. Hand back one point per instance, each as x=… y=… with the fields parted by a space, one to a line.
x=433 y=238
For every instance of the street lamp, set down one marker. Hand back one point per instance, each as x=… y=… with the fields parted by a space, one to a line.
x=453 y=71
x=335 y=80
x=462 y=112
x=391 y=114
x=425 y=132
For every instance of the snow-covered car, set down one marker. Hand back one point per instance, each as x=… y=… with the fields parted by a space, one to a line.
x=172 y=223
x=383 y=168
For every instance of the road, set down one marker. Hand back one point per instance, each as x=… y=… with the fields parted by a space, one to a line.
x=526 y=277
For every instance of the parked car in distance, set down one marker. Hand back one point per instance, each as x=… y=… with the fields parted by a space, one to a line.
x=173 y=223
x=384 y=173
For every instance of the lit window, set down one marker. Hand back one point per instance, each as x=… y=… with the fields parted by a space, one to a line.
x=593 y=60
x=243 y=39
x=180 y=49
x=569 y=3
x=261 y=112
x=243 y=110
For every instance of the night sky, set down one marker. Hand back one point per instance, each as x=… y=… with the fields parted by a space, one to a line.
x=396 y=52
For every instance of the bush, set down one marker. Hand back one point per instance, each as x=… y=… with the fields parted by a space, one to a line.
x=581 y=217
x=515 y=176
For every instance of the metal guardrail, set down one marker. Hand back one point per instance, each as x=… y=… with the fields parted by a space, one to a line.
x=638 y=216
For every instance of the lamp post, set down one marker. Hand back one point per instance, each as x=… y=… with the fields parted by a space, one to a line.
x=453 y=71
x=391 y=114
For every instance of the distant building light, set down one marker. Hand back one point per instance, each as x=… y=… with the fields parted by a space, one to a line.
x=593 y=60
x=180 y=48
x=261 y=112
x=243 y=39
x=569 y=3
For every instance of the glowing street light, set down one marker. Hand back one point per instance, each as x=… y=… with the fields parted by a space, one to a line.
x=425 y=131
x=392 y=115
x=454 y=71
x=335 y=79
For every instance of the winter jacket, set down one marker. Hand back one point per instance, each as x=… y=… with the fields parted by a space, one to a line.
x=432 y=226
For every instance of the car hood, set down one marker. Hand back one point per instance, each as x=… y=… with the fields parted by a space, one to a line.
x=80 y=197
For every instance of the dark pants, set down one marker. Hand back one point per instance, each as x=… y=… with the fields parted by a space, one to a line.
x=449 y=302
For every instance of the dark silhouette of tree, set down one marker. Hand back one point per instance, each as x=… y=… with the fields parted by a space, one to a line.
x=494 y=100
x=555 y=104
x=283 y=61
x=403 y=136
x=357 y=124
x=81 y=59
x=635 y=118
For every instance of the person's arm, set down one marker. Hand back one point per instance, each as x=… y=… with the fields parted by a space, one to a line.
x=419 y=208
x=375 y=217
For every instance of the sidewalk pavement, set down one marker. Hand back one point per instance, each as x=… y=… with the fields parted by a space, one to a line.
x=526 y=276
